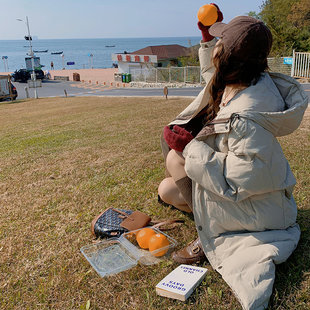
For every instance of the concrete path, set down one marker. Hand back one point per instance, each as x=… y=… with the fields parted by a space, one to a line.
x=52 y=88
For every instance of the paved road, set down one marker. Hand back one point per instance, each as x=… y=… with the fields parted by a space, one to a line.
x=57 y=89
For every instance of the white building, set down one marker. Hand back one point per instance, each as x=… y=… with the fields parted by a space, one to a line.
x=128 y=62
x=151 y=56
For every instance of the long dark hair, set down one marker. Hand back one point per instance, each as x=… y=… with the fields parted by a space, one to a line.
x=231 y=70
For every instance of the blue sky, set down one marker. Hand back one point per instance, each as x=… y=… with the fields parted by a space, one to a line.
x=59 y=19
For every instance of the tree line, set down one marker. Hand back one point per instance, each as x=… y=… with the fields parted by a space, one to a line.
x=289 y=22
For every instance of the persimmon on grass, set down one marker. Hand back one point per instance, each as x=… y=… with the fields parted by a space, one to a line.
x=158 y=241
x=143 y=237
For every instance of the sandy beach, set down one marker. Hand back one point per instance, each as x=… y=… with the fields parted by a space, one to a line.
x=86 y=75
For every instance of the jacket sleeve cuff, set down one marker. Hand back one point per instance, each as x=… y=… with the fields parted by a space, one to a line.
x=208 y=44
x=186 y=150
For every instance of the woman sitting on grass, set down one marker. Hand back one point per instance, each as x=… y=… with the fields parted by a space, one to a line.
x=225 y=164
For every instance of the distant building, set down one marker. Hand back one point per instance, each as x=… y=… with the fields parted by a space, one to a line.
x=150 y=56
x=166 y=54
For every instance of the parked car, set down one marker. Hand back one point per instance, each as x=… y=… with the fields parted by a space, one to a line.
x=23 y=75
x=39 y=74
x=14 y=93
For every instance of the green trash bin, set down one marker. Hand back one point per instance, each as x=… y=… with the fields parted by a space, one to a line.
x=128 y=78
x=124 y=78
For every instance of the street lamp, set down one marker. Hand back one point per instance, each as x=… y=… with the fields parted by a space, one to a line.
x=63 y=61
x=29 y=38
x=5 y=63
x=91 y=60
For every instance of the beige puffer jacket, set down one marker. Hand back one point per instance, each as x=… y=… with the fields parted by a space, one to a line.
x=243 y=206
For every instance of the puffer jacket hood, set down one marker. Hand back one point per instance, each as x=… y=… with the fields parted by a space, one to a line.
x=262 y=102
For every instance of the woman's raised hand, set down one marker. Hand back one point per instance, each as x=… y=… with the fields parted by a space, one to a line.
x=206 y=36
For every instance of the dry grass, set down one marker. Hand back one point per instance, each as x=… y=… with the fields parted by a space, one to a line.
x=63 y=161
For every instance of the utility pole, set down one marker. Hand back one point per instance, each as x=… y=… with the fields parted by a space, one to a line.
x=33 y=75
x=32 y=62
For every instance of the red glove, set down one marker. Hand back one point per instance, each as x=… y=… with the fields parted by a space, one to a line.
x=177 y=138
x=206 y=36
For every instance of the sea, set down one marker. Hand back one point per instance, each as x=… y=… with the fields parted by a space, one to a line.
x=78 y=53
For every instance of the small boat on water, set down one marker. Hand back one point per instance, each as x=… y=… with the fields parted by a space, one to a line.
x=110 y=46
x=57 y=53
x=44 y=51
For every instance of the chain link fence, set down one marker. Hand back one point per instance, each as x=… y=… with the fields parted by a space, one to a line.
x=167 y=75
x=192 y=75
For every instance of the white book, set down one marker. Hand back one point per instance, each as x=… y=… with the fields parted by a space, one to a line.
x=181 y=282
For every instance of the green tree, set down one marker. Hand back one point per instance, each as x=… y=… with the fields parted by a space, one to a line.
x=192 y=59
x=289 y=22
x=254 y=14
x=300 y=18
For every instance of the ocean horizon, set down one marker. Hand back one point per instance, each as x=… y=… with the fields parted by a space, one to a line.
x=79 y=51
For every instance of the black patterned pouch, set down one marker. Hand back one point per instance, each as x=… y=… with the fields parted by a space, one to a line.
x=107 y=224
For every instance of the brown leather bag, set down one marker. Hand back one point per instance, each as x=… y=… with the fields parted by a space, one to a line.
x=114 y=222
x=135 y=220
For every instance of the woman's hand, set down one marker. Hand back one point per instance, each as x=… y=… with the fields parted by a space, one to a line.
x=206 y=36
x=177 y=137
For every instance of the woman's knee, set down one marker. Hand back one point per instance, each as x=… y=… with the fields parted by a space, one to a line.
x=164 y=189
x=170 y=194
x=175 y=163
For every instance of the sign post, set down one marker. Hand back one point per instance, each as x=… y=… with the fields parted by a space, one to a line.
x=166 y=92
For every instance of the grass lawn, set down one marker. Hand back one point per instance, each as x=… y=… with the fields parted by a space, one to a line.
x=63 y=161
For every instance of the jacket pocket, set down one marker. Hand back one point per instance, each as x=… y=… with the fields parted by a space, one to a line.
x=269 y=211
